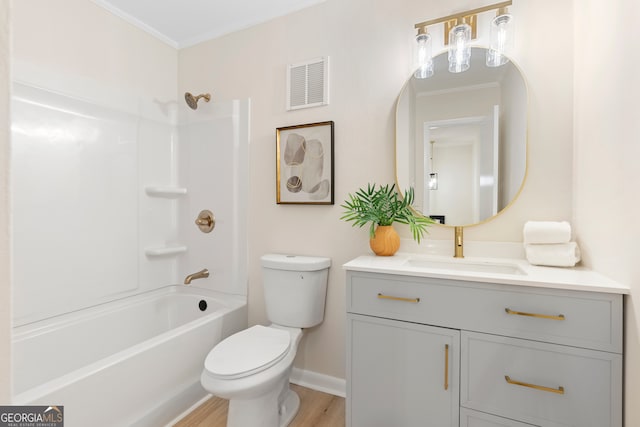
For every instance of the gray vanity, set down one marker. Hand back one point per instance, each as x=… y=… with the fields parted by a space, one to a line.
x=436 y=341
x=476 y=343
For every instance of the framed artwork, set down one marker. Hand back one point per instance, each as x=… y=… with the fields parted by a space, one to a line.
x=304 y=164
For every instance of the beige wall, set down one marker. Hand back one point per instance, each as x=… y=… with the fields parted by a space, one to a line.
x=607 y=151
x=5 y=282
x=79 y=49
x=370 y=44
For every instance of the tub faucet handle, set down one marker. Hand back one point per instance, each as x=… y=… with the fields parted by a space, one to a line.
x=198 y=275
x=205 y=221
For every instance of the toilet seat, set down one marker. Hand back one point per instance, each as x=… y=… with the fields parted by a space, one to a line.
x=248 y=352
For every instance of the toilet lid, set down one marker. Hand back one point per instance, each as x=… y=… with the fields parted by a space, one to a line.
x=248 y=352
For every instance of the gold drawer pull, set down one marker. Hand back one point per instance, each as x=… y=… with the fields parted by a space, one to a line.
x=446 y=366
x=414 y=300
x=540 y=316
x=559 y=390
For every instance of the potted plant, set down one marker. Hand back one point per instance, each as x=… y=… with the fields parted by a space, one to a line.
x=381 y=207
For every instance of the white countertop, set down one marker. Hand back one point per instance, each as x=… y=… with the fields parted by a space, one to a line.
x=575 y=278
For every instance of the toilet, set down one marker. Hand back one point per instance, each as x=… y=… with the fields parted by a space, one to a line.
x=251 y=368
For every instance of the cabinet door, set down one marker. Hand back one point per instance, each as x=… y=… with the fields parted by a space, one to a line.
x=401 y=374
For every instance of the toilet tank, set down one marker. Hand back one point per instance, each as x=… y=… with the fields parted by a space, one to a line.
x=295 y=288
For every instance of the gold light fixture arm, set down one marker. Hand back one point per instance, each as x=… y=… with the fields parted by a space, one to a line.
x=462 y=15
x=469 y=17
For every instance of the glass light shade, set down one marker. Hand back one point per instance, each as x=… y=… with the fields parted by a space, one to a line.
x=433 y=181
x=424 y=56
x=501 y=39
x=459 y=48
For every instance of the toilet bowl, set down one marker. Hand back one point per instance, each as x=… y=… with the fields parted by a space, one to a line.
x=251 y=368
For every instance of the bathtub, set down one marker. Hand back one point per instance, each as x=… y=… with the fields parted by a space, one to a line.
x=132 y=362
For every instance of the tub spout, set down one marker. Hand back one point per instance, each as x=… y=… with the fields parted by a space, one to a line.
x=199 y=275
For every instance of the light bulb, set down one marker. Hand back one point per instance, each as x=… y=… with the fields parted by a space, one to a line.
x=501 y=39
x=424 y=56
x=459 y=48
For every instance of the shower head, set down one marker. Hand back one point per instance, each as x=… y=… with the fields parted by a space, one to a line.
x=192 y=101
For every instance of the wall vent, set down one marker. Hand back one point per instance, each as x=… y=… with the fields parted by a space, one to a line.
x=308 y=84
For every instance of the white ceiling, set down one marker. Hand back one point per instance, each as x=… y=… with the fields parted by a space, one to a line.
x=183 y=23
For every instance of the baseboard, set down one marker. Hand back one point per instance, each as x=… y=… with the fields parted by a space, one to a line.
x=189 y=410
x=319 y=382
x=182 y=402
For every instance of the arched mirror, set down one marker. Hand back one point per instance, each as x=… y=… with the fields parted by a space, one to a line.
x=461 y=140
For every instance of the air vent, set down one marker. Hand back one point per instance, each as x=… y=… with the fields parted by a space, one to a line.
x=308 y=84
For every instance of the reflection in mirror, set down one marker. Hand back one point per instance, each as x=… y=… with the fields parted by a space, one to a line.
x=461 y=140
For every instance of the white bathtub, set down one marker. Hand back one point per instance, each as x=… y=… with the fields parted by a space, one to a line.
x=132 y=362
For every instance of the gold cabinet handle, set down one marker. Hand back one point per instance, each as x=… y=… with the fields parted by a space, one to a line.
x=446 y=366
x=540 y=316
x=414 y=300
x=559 y=390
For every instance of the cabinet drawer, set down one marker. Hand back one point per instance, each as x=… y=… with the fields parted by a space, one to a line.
x=400 y=299
x=581 y=319
x=469 y=418
x=542 y=384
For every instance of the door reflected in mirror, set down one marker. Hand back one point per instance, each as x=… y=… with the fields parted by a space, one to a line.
x=461 y=140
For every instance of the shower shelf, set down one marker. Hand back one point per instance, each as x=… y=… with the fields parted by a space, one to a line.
x=157 y=251
x=166 y=192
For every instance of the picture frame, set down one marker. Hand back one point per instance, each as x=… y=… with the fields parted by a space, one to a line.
x=304 y=164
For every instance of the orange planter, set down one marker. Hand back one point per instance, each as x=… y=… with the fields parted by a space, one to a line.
x=386 y=241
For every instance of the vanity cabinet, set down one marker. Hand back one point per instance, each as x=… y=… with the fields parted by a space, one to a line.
x=426 y=351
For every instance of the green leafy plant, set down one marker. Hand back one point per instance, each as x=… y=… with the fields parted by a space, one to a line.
x=384 y=206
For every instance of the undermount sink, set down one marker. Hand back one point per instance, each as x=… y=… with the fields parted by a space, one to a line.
x=467 y=266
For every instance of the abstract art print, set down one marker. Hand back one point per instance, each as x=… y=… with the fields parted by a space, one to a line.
x=304 y=164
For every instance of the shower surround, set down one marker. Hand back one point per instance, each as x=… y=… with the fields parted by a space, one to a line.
x=104 y=203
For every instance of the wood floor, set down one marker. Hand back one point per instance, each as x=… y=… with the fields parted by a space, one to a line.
x=317 y=409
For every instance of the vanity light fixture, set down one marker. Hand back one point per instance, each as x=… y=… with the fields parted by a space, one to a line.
x=424 y=55
x=459 y=30
x=500 y=38
x=459 y=47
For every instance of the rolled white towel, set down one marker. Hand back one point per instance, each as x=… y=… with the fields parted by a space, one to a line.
x=544 y=232
x=553 y=255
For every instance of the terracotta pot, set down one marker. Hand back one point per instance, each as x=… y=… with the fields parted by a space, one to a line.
x=386 y=241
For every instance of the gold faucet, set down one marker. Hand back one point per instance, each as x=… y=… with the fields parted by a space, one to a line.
x=199 y=275
x=458 y=243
